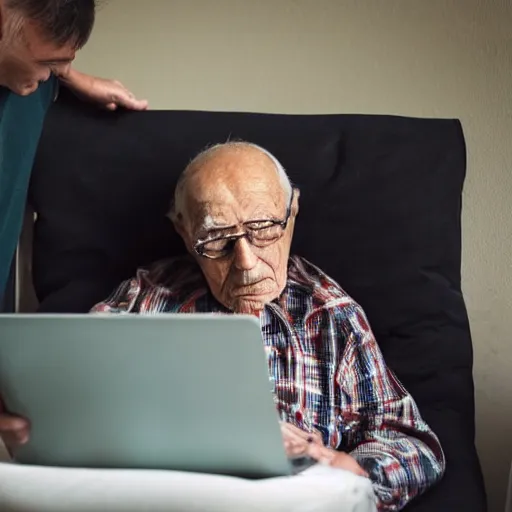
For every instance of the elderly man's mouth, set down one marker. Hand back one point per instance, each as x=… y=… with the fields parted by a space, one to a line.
x=255 y=289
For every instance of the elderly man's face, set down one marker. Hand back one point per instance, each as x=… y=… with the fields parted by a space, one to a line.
x=238 y=192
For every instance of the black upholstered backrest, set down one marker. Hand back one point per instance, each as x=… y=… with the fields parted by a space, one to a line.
x=379 y=211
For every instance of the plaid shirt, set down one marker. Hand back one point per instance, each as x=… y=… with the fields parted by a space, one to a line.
x=326 y=369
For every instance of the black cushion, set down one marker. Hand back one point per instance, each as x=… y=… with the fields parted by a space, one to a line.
x=379 y=211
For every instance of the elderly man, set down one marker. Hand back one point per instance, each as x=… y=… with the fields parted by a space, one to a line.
x=38 y=42
x=235 y=209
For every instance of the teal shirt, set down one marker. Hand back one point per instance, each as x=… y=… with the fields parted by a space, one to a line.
x=21 y=124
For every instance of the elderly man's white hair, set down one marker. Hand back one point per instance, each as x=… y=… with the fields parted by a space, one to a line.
x=177 y=204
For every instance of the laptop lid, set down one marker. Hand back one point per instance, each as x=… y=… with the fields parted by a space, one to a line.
x=183 y=392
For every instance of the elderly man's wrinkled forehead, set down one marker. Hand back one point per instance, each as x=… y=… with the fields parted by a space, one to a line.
x=231 y=186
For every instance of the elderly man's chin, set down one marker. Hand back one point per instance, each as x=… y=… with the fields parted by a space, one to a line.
x=252 y=302
x=248 y=306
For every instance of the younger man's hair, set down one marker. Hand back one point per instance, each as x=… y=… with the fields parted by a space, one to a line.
x=63 y=21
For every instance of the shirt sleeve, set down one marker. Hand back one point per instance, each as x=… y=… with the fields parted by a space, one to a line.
x=383 y=429
x=122 y=299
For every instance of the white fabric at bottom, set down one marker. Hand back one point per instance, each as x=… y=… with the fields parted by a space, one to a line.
x=44 y=489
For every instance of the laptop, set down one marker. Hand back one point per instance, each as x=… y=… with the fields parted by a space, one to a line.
x=187 y=392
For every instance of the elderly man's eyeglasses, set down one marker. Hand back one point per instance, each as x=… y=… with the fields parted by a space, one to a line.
x=260 y=233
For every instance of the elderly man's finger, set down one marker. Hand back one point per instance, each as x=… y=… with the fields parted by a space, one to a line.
x=293 y=433
x=296 y=434
x=22 y=436
x=294 y=450
x=336 y=459
x=12 y=423
x=321 y=454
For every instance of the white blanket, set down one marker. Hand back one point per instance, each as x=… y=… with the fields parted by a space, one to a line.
x=46 y=489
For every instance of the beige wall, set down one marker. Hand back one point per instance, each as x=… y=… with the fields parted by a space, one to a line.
x=433 y=58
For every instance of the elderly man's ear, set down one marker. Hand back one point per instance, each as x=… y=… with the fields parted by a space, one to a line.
x=179 y=225
x=180 y=228
x=295 y=202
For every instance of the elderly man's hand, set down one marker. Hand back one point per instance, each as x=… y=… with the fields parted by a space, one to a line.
x=298 y=443
x=109 y=94
x=13 y=429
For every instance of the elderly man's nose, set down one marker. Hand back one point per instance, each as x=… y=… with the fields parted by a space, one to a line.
x=245 y=259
